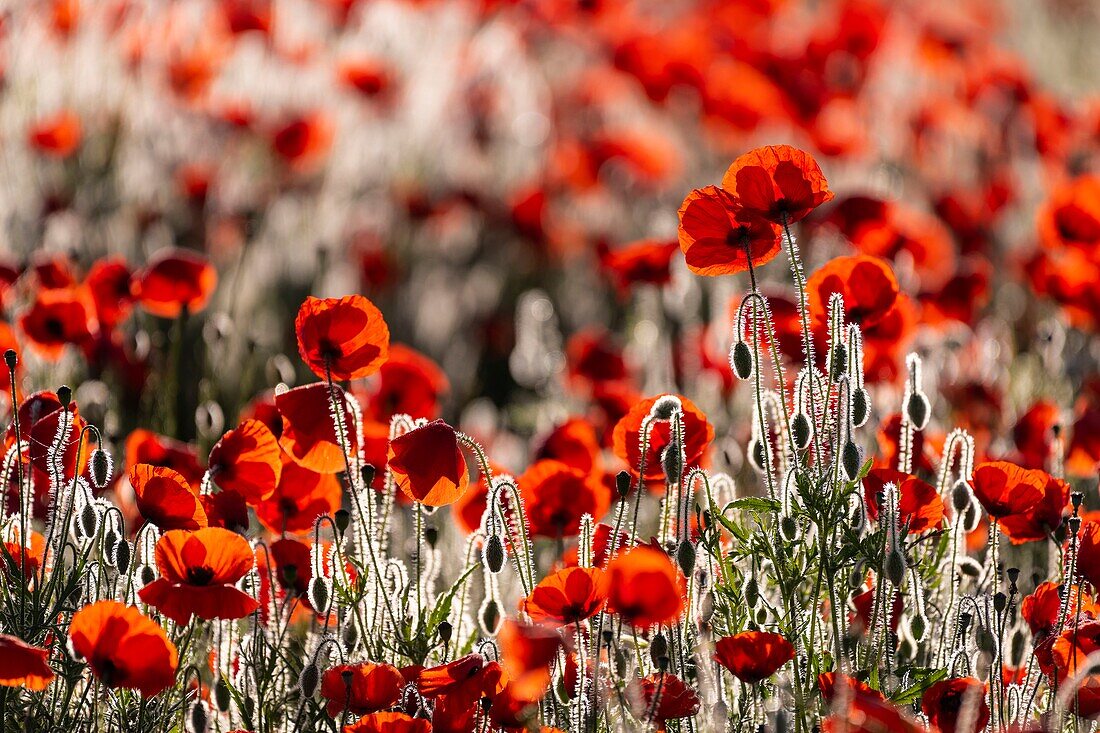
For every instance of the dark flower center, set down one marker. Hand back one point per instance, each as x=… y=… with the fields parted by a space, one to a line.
x=200 y=575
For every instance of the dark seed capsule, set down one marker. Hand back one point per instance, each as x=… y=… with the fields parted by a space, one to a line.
x=850 y=458
x=622 y=483
x=88 y=520
x=222 y=696
x=64 y=395
x=366 y=473
x=198 y=717
x=308 y=679
x=11 y=358
x=342 y=520
x=319 y=595
x=494 y=554
x=741 y=360
x=122 y=556
x=1000 y=602
x=918 y=410
x=840 y=362
x=685 y=557
x=861 y=407
x=658 y=648
x=801 y=430
x=101 y=468
x=445 y=631
x=109 y=540
x=490 y=616
x=147 y=575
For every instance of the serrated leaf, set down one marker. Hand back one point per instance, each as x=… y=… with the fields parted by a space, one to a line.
x=925 y=678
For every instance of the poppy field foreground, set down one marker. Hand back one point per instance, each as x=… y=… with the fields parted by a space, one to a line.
x=588 y=367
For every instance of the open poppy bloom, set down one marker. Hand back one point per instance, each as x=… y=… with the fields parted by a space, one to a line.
x=23 y=665
x=409 y=383
x=574 y=443
x=867 y=284
x=568 y=596
x=950 y=702
x=1045 y=516
x=527 y=652
x=1088 y=554
x=301 y=496
x=389 y=723
x=1072 y=216
x=302 y=140
x=920 y=507
x=869 y=713
x=645 y=588
x=108 y=282
x=145 y=446
x=718 y=236
x=361 y=688
x=753 y=656
x=646 y=262
x=777 y=182
x=698 y=433
x=165 y=499
x=198 y=570
x=172 y=280
x=124 y=647
x=428 y=464
x=1005 y=489
x=345 y=336
x=557 y=496
x=676 y=700
x=309 y=432
x=58 y=318
x=25 y=561
x=831 y=684
x=247 y=460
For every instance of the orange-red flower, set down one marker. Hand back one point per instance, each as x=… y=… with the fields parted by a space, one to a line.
x=645 y=587
x=410 y=384
x=567 y=596
x=698 y=433
x=145 y=446
x=1045 y=516
x=165 y=499
x=557 y=496
x=247 y=460
x=57 y=136
x=124 y=647
x=1005 y=489
x=346 y=336
x=676 y=699
x=527 y=652
x=951 y=702
x=198 y=570
x=25 y=561
x=867 y=284
x=389 y=723
x=777 y=182
x=23 y=665
x=57 y=318
x=1072 y=217
x=919 y=504
x=574 y=443
x=647 y=261
x=869 y=713
x=428 y=464
x=753 y=655
x=361 y=688
x=172 y=280
x=718 y=236
x=309 y=433
x=302 y=139
x=301 y=496
x=108 y=281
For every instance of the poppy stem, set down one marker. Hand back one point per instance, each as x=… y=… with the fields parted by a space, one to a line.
x=11 y=359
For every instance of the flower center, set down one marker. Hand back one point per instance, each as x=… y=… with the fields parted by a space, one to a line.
x=199 y=576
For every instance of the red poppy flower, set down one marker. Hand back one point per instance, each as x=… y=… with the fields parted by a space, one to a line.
x=646 y=589
x=309 y=433
x=778 y=183
x=25 y=561
x=428 y=464
x=247 y=460
x=592 y=358
x=389 y=723
x=867 y=713
x=1072 y=216
x=57 y=136
x=1005 y=489
x=124 y=647
x=832 y=684
x=1033 y=433
x=676 y=700
x=40 y=416
x=647 y=261
x=948 y=703
x=1042 y=612
x=361 y=688
x=1088 y=553
x=145 y=446
x=463 y=674
x=717 y=235
x=301 y=496
x=863 y=604
x=867 y=284
x=366 y=76
x=527 y=652
x=698 y=433
x=23 y=665
x=108 y=281
x=225 y=509
x=409 y=384
x=172 y=280
x=165 y=499
x=303 y=140
x=557 y=496
x=57 y=318
x=919 y=504
x=573 y=443
x=1045 y=516
x=348 y=335
x=567 y=596
x=198 y=570
x=753 y=655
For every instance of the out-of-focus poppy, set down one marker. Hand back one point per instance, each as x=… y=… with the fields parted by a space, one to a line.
x=1005 y=489
x=23 y=665
x=345 y=336
x=949 y=703
x=866 y=283
x=1045 y=516
x=225 y=509
x=145 y=446
x=698 y=433
x=361 y=688
x=777 y=182
x=108 y=281
x=1072 y=216
x=389 y=723
x=574 y=443
x=57 y=318
x=674 y=699
x=646 y=262
x=645 y=587
x=1043 y=612
x=593 y=357
x=428 y=465
x=753 y=655
x=302 y=140
x=174 y=279
x=247 y=460
x=53 y=271
x=832 y=685
x=198 y=570
x=25 y=560
x=1070 y=651
x=309 y=433
x=1033 y=433
x=718 y=236
x=300 y=497
x=867 y=713
x=557 y=496
x=368 y=77
x=409 y=383
x=1088 y=552
x=124 y=647
x=165 y=499
x=57 y=136
x=863 y=605
x=919 y=504
x=527 y=651
x=567 y=596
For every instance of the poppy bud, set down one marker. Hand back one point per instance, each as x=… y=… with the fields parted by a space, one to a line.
x=109 y=540
x=761 y=616
x=620 y=663
x=964 y=622
x=751 y=591
x=861 y=407
x=788 y=527
x=445 y=630
x=122 y=556
x=198 y=717
x=1013 y=575
x=801 y=430
x=918 y=410
x=850 y=458
x=741 y=360
x=756 y=452
x=147 y=575
x=1076 y=498
x=1000 y=601
x=222 y=696
x=658 y=648
x=64 y=395
x=319 y=595
x=917 y=626
x=494 y=554
x=672 y=462
x=984 y=640
x=490 y=617
x=308 y=679
x=342 y=520
x=11 y=359
x=89 y=520
x=960 y=496
x=622 y=483
x=351 y=635
x=895 y=567
x=431 y=536
x=1017 y=647
x=685 y=557
x=840 y=362
x=666 y=407
x=366 y=473
x=101 y=468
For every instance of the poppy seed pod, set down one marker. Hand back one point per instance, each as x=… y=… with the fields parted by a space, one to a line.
x=918 y=410
x=122 y=556
x=445 y=630
x=622 y=483
x=840 y=362
x=801 y=430
x=64 y=395
x=850 y=459
x=222 y=696
x=11 y=358
x=319 y=595
x=861 y=407
x=342 y=520
x=198 y=718
x=308 y=680
x=101 y=468
x=685 y=557
x=493 y=554
x=741 y=360
x=366 y=474
x=895 y=567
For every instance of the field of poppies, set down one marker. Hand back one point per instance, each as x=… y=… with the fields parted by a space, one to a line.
x=399 y=366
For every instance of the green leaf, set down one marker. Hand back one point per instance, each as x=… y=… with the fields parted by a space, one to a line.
x=753 y=504
x=924 y=678
x=443 y=604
